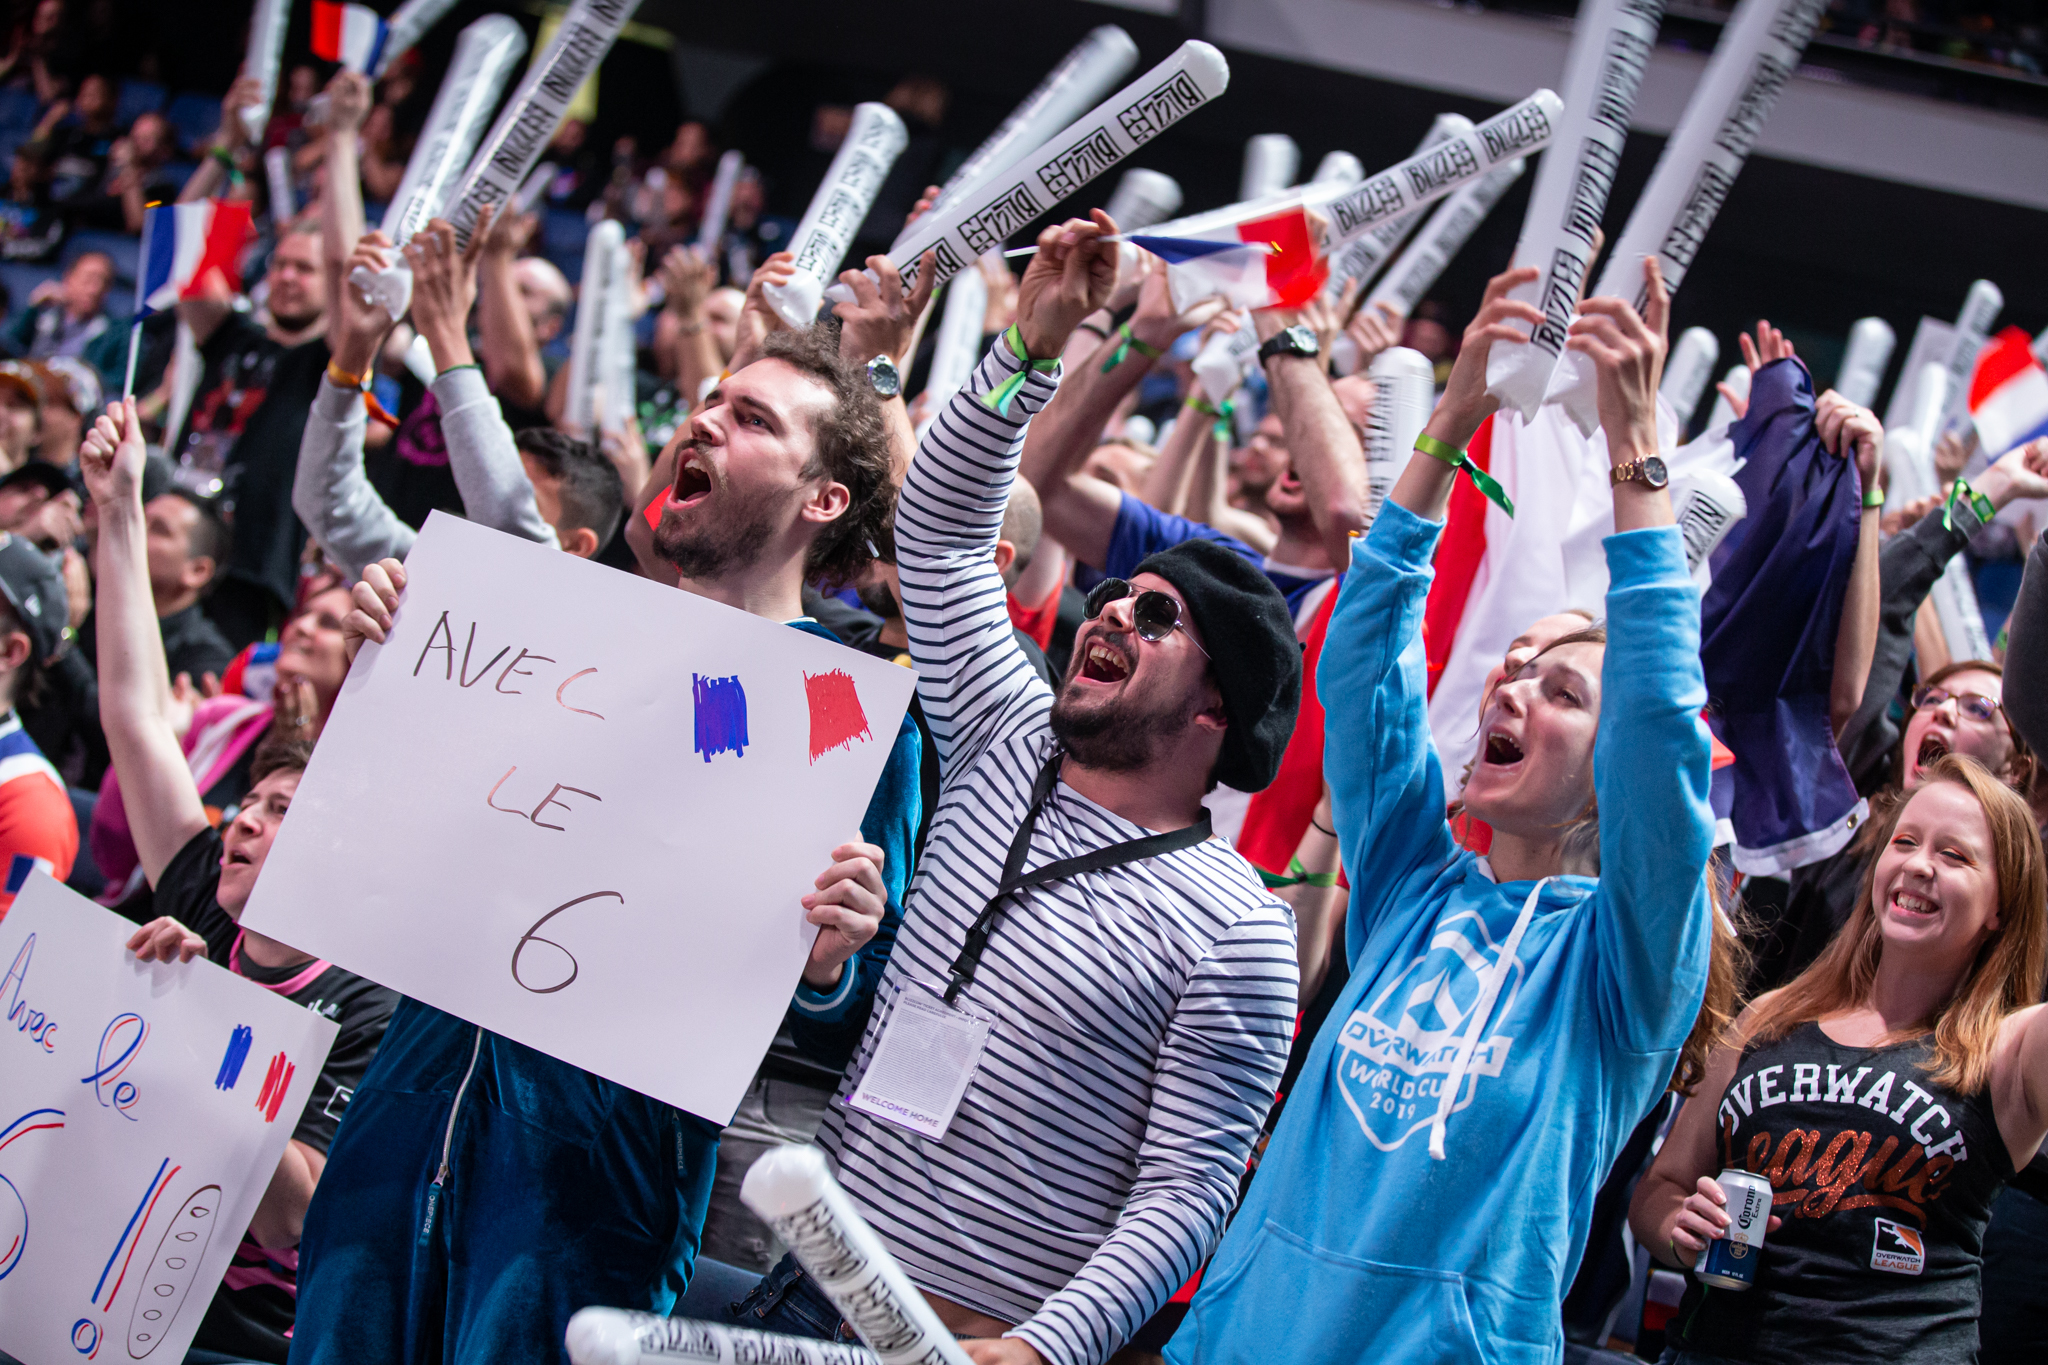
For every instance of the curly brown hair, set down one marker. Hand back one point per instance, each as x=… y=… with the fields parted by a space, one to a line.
x=851 y=448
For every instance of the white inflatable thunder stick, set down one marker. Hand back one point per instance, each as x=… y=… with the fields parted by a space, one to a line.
x=1143 y=198
x=1406 y=391
x=1754 y=58
x=267 y=24
x=521 y=134
x=956 y=350
x=1610 y=49
x=1068 y=91
x=983 y=217
x=485 y=55
x=603 y=258
x=719 y=206
x=1338 y=168
x=1687 y=372
x=792 y=1190
x=614 y=1336
x=1981 y=307
x=872 y=144
x=408 y=24
x=1417 y=269
x=1362 y=259
x=1869 y=350
x=1270 y=163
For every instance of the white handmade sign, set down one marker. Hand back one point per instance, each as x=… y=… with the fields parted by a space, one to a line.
x=580 y=809
x=143 y=1109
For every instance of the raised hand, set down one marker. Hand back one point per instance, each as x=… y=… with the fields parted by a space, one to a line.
x=687 y=277
x=1070 y=277
x=1466 y=403
x=348 y=102
x=757 y=316
x=847 y=907
x=1373 y=330
x=1846 y=428
x=2021 y=472
x=444 y=287
x=376 y=598
x=1627 y=351
x=1157 y=322
x=110 y=458
x=363 y=323
x=881 y=320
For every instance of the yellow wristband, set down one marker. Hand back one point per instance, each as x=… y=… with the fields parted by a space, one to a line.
x=344 y=380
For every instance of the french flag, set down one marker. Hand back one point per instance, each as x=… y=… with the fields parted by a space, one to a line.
x=181 y=243
x=350 y=34
x=1265 y=262
x=2008 y=393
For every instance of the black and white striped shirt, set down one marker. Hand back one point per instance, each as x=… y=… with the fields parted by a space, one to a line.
x=1143 y=1012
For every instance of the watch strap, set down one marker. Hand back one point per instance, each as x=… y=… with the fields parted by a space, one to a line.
x=1282 y=343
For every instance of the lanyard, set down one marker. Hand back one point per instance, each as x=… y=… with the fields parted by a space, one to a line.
x=1015 y=879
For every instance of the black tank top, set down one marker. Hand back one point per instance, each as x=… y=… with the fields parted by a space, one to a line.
x=1884 y=1180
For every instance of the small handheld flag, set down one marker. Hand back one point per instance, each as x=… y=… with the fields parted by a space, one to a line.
x=353 y=35
x=181 y=243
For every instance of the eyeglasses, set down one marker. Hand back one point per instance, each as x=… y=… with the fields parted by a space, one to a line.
x=1154 y=615
x=1974 y=705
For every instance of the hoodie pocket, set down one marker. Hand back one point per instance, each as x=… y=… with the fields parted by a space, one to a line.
x=1288 y=1298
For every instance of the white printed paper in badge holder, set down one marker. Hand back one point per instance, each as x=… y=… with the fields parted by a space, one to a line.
x=928 y=1052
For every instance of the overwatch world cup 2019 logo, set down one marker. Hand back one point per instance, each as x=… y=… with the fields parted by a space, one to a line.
x=1396 y=1052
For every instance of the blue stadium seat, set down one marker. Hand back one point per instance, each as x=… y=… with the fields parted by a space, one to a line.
x=18 y=110
x=125 y=250
x=136 y=99
x=194 y=116
x=21 y=280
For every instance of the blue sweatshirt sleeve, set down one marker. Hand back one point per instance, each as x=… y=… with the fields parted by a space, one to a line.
x=1386 y=782
x=827 y=1026
x=1651 y=763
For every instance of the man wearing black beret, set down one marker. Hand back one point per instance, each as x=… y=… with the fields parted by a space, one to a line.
x=1088 y=1007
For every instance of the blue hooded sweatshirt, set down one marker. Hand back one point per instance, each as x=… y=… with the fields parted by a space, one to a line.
x=1551 y=1022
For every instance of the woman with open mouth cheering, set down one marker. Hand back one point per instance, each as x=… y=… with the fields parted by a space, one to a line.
x=1507 y=1021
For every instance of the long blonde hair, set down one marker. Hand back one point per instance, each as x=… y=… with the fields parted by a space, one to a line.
x=2005 y=977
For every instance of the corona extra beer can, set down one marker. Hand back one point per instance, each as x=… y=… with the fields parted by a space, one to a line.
x=1729 y=1261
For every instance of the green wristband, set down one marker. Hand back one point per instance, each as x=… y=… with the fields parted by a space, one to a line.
x=1873 y=497
x=1960 y=491
x=1000 y=397
x=1126 y=345
x=1458 y=459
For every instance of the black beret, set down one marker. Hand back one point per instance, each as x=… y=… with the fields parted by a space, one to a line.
x=1253 y=653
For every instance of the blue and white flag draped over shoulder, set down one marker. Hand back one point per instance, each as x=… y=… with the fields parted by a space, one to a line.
x=1768 y=628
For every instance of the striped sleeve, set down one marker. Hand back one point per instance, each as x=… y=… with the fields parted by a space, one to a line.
x=970 y=672
x=1217 y=1070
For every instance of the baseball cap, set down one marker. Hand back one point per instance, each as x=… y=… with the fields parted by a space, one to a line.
x=34 y=588
x=21 y=376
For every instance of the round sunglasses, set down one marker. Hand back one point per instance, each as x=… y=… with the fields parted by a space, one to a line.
x=1154 y=615
x=1974 y=705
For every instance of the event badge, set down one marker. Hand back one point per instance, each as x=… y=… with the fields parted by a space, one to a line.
x=928 y=1052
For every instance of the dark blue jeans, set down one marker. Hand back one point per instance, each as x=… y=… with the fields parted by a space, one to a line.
x=789 y=1301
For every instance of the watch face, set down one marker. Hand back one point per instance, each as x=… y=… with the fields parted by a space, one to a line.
x=882 y=374
x=1654 y=472
x=1302 y=340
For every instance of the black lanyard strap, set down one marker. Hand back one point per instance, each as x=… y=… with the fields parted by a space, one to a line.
x=1015 y=879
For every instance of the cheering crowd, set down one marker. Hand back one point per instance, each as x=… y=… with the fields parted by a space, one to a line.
x=1287 y=1033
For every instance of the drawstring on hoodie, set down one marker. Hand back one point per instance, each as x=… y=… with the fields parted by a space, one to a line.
x=1482 y=1011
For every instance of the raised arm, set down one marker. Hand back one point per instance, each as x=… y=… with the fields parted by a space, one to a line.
x=2026 y=648
x=1386 y=781
x=970 y=670
x=1080 y=509
x=229 y=141
x=1651 y=756
x=489 y=474
x=687 y=279
x=1323 y=446
x=882 y=321
x=164 y=809
x=330 y=492
x=341 y=203
x=1849 y=430
x=1219 y=1065
x=511 y=356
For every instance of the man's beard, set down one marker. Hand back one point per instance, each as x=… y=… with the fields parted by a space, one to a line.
x=734 y=538
x=1118 y=737
x=297 y=324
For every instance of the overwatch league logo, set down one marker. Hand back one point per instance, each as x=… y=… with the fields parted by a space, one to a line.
x=1396 y=1051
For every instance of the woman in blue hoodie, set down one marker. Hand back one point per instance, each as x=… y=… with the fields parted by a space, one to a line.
x=1425 y=1197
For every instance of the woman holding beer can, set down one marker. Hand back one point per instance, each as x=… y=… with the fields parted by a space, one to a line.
x=1874 y=1106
